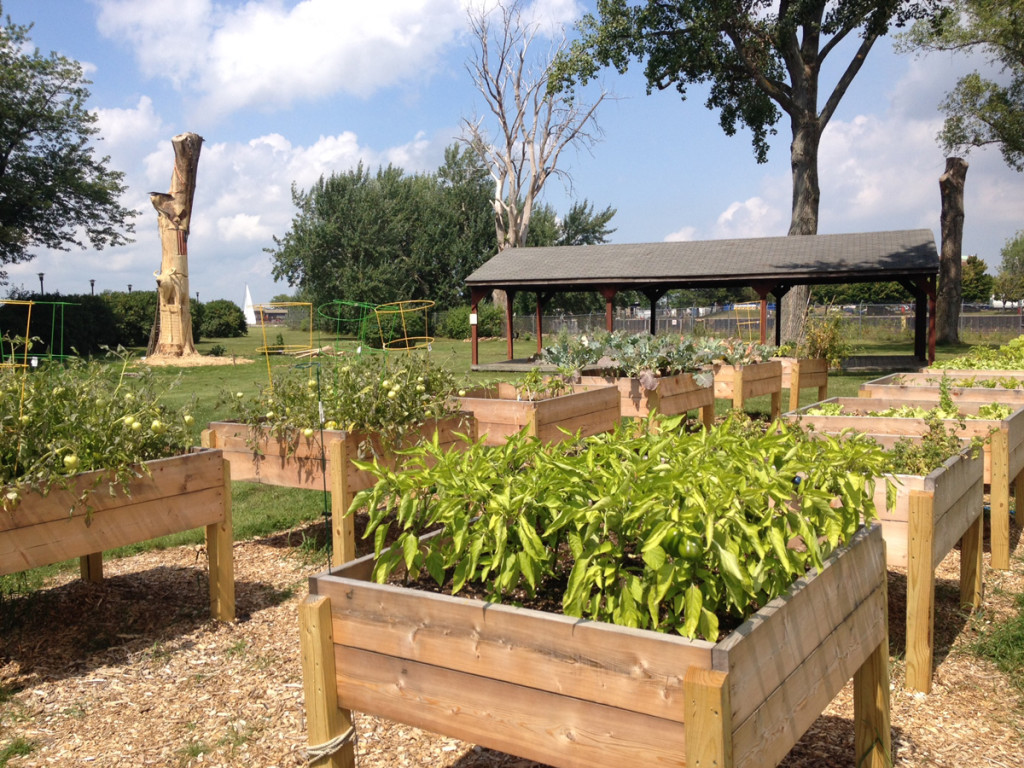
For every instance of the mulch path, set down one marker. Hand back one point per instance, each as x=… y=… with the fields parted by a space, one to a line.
x=133 y=673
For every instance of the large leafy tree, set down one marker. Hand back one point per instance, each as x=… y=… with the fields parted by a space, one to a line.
x=1009 y=283
x=388 y=236
x=979 y=110
x=54 y=190
x=976 y=283
x=762 y=59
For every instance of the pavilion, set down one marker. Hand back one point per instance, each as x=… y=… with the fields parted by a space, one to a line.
x=769 y=265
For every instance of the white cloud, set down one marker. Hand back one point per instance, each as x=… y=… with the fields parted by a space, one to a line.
x=121 y=128
x=753 y=217
x=681 y=235
x=242 y=227
x=265 y=55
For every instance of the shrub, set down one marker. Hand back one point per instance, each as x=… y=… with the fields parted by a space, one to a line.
x=455 y=323
x=223 y=319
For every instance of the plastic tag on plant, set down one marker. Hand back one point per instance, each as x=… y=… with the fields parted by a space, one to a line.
x=320 y=408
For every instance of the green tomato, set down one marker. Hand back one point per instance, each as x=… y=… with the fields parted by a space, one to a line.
x=157 y=426
x=71 y=461
x=136 y=426
x=307 y=432
x=189 y=420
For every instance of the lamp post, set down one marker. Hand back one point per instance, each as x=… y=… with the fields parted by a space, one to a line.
x=129 y=287
x=41 y=292
x=197 y=297
x=92 y=287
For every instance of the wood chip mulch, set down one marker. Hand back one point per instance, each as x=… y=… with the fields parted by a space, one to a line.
x=132 y=672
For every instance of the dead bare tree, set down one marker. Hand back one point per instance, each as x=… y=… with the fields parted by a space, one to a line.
x=522 y=140
x=172 y=335
x=947 y=304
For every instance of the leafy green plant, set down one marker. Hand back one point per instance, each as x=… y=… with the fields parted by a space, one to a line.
x=923 y=454
x=536 y=386
x=827 y=337
x=1010 y=356
x=650 y=528
x=62 y=420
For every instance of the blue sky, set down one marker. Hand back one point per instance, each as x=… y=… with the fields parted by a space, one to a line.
x=284 y=91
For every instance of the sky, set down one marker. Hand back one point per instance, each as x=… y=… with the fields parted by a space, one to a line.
x=284 y=91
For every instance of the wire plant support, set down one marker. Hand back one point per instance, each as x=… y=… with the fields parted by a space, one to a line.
x=403 y=325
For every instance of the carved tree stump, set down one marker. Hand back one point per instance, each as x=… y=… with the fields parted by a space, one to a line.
x=174 y=213
x=947 y=304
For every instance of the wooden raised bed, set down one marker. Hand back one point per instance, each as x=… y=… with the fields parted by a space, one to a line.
x=931 y=514
x=674 y=394
x=177 y=494
x=570 y=692
x=925 y=386
x=741 y=382
x=499 y=413
x=306 y=463
x=1003 y=453
x=803 y=373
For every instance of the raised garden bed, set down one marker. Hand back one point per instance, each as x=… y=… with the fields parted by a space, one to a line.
x=571 y=692
x=171 y=495
x=739 y=383
x=1003 y=450
x=500 y=412
x=306 y=462
x=673 y=395
x=931 y=514
x=804 y=373
x=965 y=386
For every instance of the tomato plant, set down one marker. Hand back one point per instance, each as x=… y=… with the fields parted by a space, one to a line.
x=388 y=395
x=63 y=419
x=650 y=528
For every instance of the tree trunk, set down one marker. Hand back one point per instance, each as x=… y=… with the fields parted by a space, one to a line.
x=947 y=304
x=174 y=213
x=804 y=221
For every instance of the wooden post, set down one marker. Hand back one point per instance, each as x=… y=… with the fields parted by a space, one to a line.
x=540 y=324
x=474 y=337
x=511 y=295
x=999 y=495
x=708 y=718
x=920 y=591
x=343 y=525
x=737 y=388
x=971 y=587
x=219 y=543
x=872 y=737
x=91 y=567
x=776 y=407
x=609 y=308
x=324 y=720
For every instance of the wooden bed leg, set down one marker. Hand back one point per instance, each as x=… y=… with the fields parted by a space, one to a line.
x=971 y=587
x=220 y=553
x=920 y=592
x=872 y=733
x=708 y=718
x=329 y=728
x=91 y=567
x=999 y=490
x=343 y=526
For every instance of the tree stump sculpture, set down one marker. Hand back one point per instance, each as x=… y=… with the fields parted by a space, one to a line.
x=173 y=337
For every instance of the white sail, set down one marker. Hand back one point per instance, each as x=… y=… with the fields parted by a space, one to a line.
x=247 y=310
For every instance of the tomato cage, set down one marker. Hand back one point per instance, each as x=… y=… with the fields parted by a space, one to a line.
x=351 y=321
x=278 y=317
x=403 y=324
x=13 y=345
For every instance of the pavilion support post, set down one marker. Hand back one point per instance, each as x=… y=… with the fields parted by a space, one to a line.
x=609 y=308
x=475 y=295
x=931 y=319
x=654 y=296
x=763 y=289
x=508 y=322
x=542 y=300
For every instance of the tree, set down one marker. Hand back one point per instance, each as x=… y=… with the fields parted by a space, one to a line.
x=980 y=111
x=1009 y=283
x=762 y=58
x=54 y=191
x=976 y=284
x=532 y=127
x=951 y=220
x=385 y=237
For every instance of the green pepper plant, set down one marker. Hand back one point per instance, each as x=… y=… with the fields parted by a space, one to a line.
x=643 y=527
x=67 y=418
